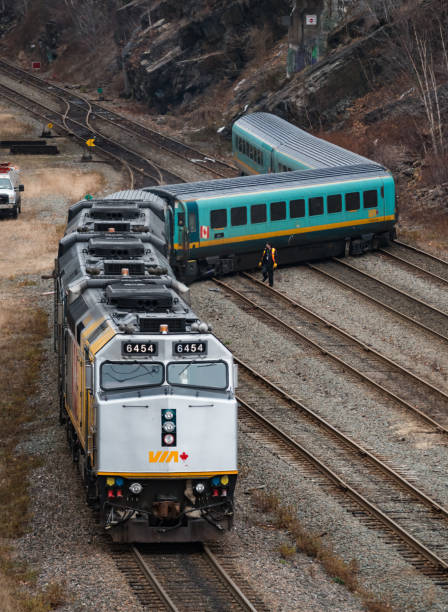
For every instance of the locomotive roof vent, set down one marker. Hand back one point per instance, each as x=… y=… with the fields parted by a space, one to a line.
x=120 y=248
x=139 y=296
x=115 y=267
x=119 y=226
x=106 y=210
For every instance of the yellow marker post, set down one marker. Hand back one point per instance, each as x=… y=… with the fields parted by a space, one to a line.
x=87 y=155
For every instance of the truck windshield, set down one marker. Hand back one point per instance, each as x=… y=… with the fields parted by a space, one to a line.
x=5 y=183
x=204 y=374
x=129 y=375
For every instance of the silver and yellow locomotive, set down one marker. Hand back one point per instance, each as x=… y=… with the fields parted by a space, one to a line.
x=147 y=392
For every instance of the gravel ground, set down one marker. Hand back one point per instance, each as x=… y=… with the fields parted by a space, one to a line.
x=373 y=422
x=389 y=334
x=402 y=277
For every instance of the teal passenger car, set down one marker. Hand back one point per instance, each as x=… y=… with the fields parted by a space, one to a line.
x=220 y=226
x=263 y=143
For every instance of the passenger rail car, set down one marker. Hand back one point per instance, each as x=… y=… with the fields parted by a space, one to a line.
x=147 y=392
x=263 y=143
x=217 y=227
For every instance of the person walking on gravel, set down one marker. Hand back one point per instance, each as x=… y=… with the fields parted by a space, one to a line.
x=268 y=263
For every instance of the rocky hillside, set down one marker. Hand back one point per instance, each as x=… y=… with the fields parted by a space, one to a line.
x=380 y=85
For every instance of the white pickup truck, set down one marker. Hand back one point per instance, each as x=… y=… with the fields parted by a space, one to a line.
x=10 y=189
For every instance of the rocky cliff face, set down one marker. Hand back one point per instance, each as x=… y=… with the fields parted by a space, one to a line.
x=182 y=49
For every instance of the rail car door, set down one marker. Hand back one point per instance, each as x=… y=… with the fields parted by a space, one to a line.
x=193 y=227
x=180 y=232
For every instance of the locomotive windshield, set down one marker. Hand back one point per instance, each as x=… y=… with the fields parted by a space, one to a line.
x=206 y=374
x=5 y=183
x=129 y=375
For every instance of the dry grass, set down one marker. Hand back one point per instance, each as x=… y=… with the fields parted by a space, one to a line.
x=11 y=127
x=287 y=551
x=28 y=243
x=313 y=545
x=22 y=329
x=27 y=247
x=73 y=185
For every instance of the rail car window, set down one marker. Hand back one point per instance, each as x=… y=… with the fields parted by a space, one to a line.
x=192 y=221
x=296 y=208
x=218 y=218
x=206 y=374
x=278 y=211
x=352 y=201
x=121 y=375
x=238 y=215
x=258 y=213
x=370 y=198
x=316 y=206
x=334 y=203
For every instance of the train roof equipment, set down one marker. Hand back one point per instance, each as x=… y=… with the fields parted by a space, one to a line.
x=270 y=183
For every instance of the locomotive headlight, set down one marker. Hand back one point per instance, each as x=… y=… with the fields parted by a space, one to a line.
x=199 y=488
x=135 y=488
x=169 y=426
x=168 y=415
x=168 y=439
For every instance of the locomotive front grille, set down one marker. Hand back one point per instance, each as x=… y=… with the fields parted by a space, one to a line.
x=152 y=325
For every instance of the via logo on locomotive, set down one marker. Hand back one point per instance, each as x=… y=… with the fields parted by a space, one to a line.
x=166 y=456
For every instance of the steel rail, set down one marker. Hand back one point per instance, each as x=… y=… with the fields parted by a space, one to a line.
x=416 y=250
x=413 y=265
x=231 y=585
x=340 y=361
x=382 y=304
x=146 y=133
x=361 y=344
x=88 y=111
x=13 y=97
x=48 y=114
x=384 y=284
x=217 y=573
x=155 y=584
x=354 y=446
x=152 y=136
x=371 y=508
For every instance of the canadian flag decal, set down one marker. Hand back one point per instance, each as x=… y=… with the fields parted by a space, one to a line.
x=205 y=232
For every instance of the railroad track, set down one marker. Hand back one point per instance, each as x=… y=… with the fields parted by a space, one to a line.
x=414 y=394
x=187 y=578
x=404 y=305
x=160 y=141
x=75 y=121
x=376 y=493
x=418 y=260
